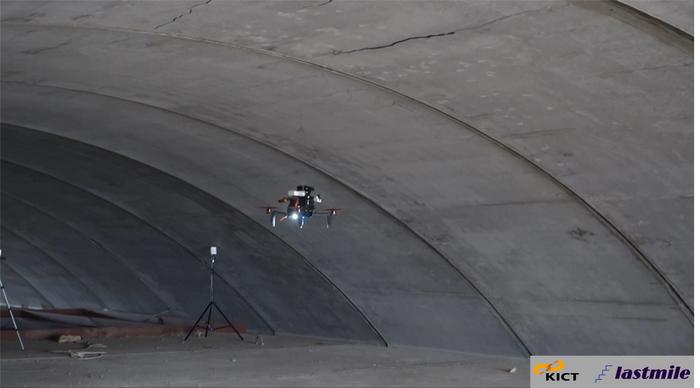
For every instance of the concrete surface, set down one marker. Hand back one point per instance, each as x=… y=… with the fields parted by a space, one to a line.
x=282 y=361
x=411 y=293
x=677 y=13
x=127 y=261
x=559 y=223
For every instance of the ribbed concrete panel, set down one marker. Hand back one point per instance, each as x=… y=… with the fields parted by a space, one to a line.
x=411 y=294
x=162 y=278
x=47 y=274
x=219 y=146
x=29 y=296
x=40 y=163
x=594 y=93
x=42 y=283
x=102 y=275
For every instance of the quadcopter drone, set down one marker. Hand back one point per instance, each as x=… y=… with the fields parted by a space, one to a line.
x=301 y=206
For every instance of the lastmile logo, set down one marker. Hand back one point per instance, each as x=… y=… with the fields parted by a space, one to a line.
x=552 y=371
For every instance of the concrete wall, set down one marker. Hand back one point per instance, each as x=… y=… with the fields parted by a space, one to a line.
x=550 y=227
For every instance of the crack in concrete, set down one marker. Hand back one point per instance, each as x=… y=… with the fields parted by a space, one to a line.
x=448 y=33
x=42 y=49
x=318 y=5
x=188 y=12
x=82 y=16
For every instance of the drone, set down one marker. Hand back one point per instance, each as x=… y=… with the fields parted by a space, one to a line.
x=301 y=206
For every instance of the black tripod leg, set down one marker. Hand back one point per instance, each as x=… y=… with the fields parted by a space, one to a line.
x=206 y=331
x=197 y=323
x=229 y=322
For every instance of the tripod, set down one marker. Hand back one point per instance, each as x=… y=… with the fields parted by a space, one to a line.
x=12 y=317
x=211 y=306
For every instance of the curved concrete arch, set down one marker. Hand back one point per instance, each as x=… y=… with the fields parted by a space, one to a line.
x=63 y=98
x=174 y=307
x=659 y=239
x=186 y=248
x=606 y=220
x=109 y=253
x=676 y=16
x=190 y=283
x=434 y=317
x=520 y=238
x=659 y=236
x=31 y=296
x=352 y=189
x=73 y=288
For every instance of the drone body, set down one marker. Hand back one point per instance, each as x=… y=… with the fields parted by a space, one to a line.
x=301 y=206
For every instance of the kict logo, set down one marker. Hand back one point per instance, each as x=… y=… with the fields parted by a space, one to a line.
x=551 y=371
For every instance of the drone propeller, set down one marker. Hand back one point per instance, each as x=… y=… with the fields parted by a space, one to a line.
x=332 y=211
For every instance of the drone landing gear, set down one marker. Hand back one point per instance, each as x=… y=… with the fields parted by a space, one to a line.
x=274 y=220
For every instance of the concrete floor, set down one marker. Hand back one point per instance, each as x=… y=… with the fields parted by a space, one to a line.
x=221 y=360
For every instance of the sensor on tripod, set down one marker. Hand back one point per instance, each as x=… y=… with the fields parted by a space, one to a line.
x=211 y=306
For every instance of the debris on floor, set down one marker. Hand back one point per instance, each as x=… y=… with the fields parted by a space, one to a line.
x=85 y=354
x=66 y=338
x=81 y=354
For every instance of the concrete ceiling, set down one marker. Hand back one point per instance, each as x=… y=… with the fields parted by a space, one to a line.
x=516 y=176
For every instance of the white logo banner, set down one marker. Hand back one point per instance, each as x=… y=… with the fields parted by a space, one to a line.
x=611 y=371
